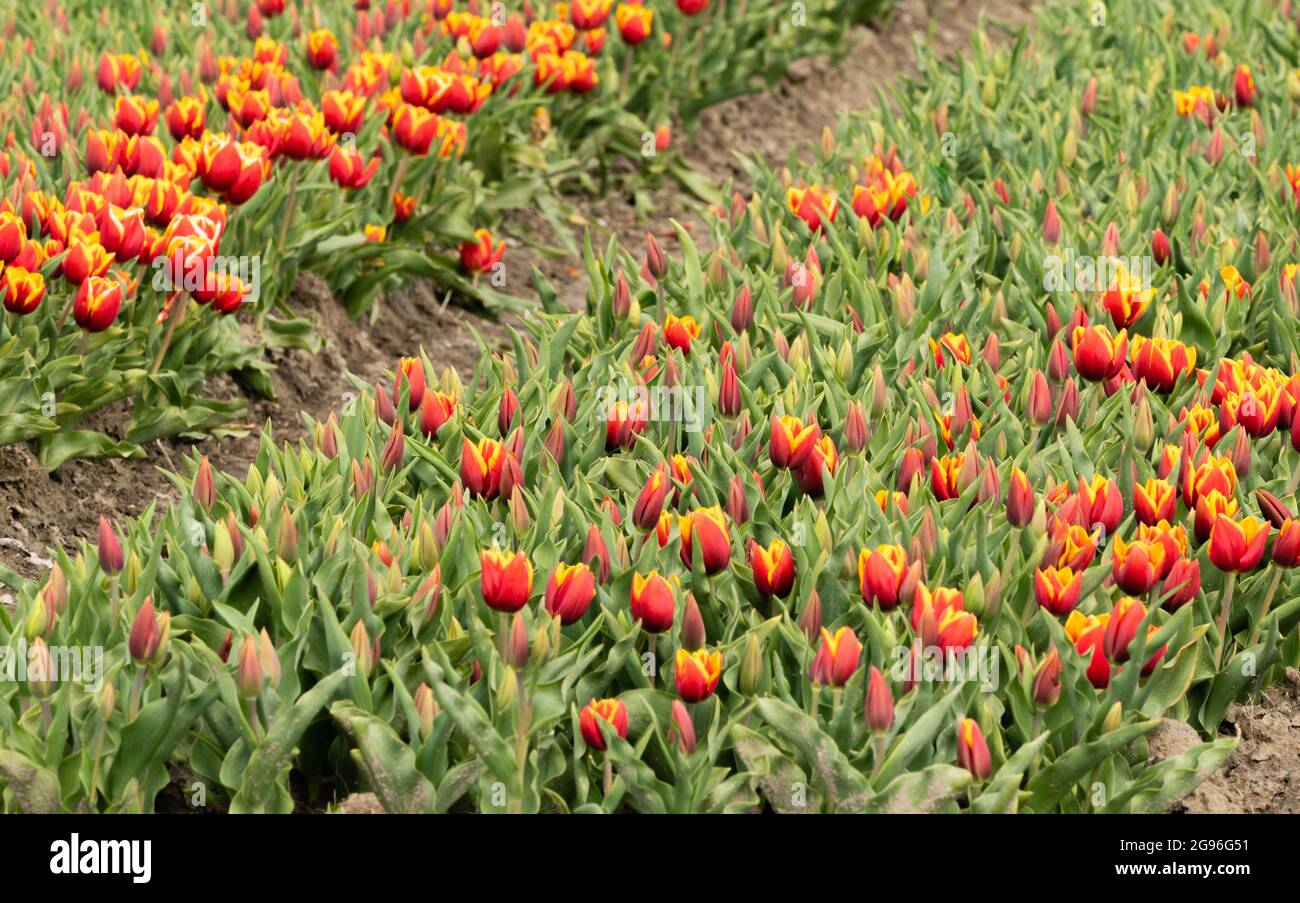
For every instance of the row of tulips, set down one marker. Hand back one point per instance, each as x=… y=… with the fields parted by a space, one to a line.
x=846 y=514
x=185 y=174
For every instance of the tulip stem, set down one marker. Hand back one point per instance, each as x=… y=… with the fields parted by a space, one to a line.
x=114 y=603
x=1257 y=616
x=504 y=630
x=1033 y=735
x=172 y=322
x=289 y=203
x=609 y=775
x=627 y=75
x=253 y=722
x=67 y=309
x=878 y=747
x=47 y=716
x=1229 y=587
x=137 y=690
x=521 y=743
x=94 y=769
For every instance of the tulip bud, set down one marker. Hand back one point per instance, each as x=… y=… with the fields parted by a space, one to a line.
x=1144 y=429
x=1114 y=718
x=363 y=651
x=1046 y=687
x=204 y=489
x=683 y=730
x=390 y=459
x=742 y=311
x=855 y=427
x=737 y=503
x=693 y=634
x=973 y=750
x=655 y=261
x=508 y=689
x=110 y=550
x=40 y=669
x=426 y=709
x=1051 y=224
x=879 y=704
x=517 y=645
x=248 y=675
x=751 y=665
x=810 y=621
x=622 y=302
x=286 y=540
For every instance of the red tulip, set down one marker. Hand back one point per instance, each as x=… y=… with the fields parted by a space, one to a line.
x=611 y=711
x=792 y=441
x=973 y=750
x=481 y=466
x=1138 y=566
x=773 y=568
x=1057 y=589
x=708 y=527
x=837 y=658
x=1097 y=355
x=881 y=572
x=649 y=504
x=570 y=591
x=652 y=602
x=697 y=674
x=506 y=579
x=1237 y=546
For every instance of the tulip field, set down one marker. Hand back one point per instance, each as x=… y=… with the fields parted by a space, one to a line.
x=934 y=469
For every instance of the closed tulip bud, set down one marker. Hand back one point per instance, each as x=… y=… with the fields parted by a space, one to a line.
x=204 y=490
x=751 y=665
x=596 y=550
x=1114 y=718
x=249 y=677
x=655 y=260
x=742 y=311
x=1068 y=406
x=507 y=690
x=286 y=540
x=737 y=503
x=1020 y=498
x=40 y=669
x=427 y=594
x=1160 y=248
x=147 y=643
x=110 y=550
x=1240 y=455
x=879 y=704
x=363 y=650
x=649 y=503
x=682 y=730
x=1039 y=404
x=855 y=427
x=426 y=709
x=973 y=750
x=41 y=619
x=693 y=634
x=390 y=459
x=1286 y=548
x=810 y=619
x=622 y=300
x=1051 y=224
x=1046 y=687
x=1181 y=584
x=517 y=650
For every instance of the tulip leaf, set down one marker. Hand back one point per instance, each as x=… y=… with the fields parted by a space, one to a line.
x=846 y=789
x=385 y=760
x=931 y=789
x=262 y=788
x=917 y=736
x=778 y=779
x=35 y=787
x=1062 y=776
x=1161 y=785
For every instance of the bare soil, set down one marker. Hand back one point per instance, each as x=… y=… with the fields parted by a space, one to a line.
x=40 y=510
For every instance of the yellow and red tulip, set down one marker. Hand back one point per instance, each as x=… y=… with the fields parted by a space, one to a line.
x=973 y=750
x=792 y=441
x=708 y=528
x=1136 y=567
x=506 y=579
x=836 y=658
x=481 y=464
x=697 y=674
x=570 y=591
x=1058 y=589
x=1237 y=546
x=652 y=602
x=881 y=572
x=773 y=568
x=1087 y=633
x=481 y=255
x=1098 y=355
x=610 y=711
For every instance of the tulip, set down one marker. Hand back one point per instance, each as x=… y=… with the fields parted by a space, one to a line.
x=773 y=568
x=506 y=580
x=1122 y=627
x=1020 y=499
x=836 y=658
x=569 y=592
x=683 y=728
x=634 y=22
x=481 y=466
x=652 y=602
x=1208 y=508
x=972 y=750
x=1097 y=355
x=1058 y=589
x=1181 y=585
x=697 y=674
x=1138 y=566
x=1154 y=501
x=708 y=526
x=1243 y=86
x=881 y=572
x=436 y=409
x=481 y=255
x=1237 y=546
x=147 y=643
x=812 y=204
x=649 y=503
x=322 y=49
x=623 y=421
x=23 y=290
x=1160 y=248
x=1286 y=548
x=111 y=560
x=249 y=677
x=679 y=332
x=1088 y=633
x=879 y=704
x=612 y=712
x=792 y=441
x=1046 y=687
x=97 y=303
